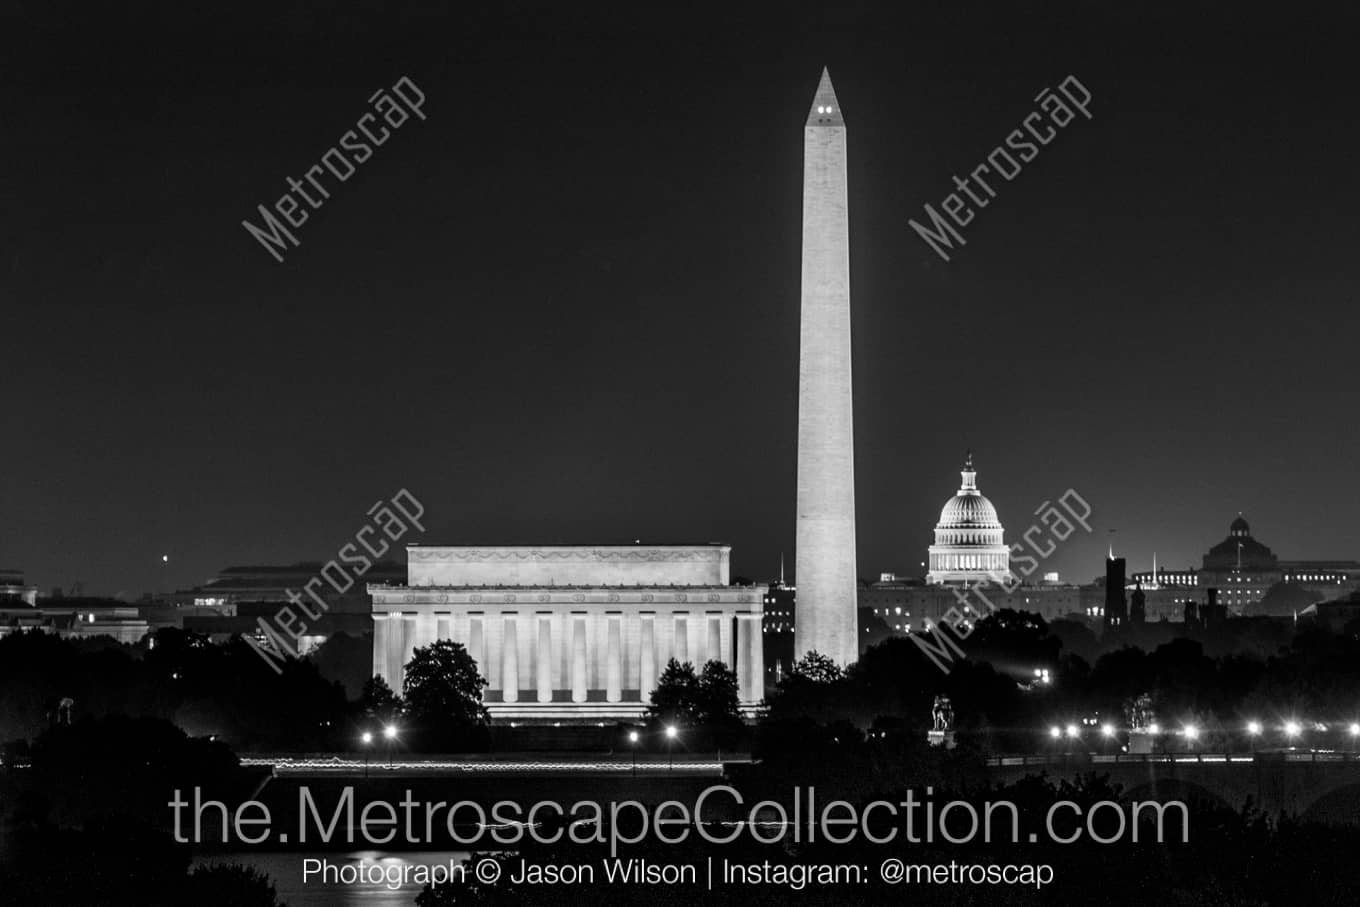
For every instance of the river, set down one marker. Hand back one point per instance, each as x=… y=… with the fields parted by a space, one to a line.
x=285 y=869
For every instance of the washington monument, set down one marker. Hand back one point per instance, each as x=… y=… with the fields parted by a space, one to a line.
x=825 y=566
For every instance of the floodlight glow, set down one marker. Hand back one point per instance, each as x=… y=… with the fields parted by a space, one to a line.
x=1055 y=732
x=1154 y=728
x=671 y=731
x=632 y=736
x=367 y=737
x=1292 y=728
x=1072 y=730
x=390 y=732
x=1107 y=730
x=1191 y=732
x=1253 y=728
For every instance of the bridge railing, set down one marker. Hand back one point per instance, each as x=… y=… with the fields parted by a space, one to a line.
x=1070 y=759
x=494 y=763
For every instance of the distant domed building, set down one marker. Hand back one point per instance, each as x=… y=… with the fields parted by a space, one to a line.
x=1241 y=568
x=968 y=539
x=1251 y=580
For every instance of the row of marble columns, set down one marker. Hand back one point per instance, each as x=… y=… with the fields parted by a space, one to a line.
x=396 y=634
x=953 y=561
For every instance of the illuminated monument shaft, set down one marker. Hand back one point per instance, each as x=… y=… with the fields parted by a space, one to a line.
x=826 y=575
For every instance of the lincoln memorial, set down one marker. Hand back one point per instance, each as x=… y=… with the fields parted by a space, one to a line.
x=572 y=632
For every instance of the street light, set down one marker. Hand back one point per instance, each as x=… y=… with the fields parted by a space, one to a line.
x=1191 y=732
x=1072 y=731
x=671 y=733
x=1107 y=730
x=1055 y=732
x=366 y=738
x=633 y=738
x=1254 y=730
x=390 y=735
x=1292 y=729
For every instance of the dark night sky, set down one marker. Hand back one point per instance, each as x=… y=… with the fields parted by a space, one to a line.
x=565 y=307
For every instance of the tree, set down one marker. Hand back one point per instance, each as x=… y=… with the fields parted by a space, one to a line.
x=230 y=885
x=707 y=698
x=676 y=697
x=378 y=701
x=443 y=692
x=818 y=668
x=345 y=659
x=717 y=695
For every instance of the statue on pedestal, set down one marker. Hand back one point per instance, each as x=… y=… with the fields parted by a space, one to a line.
x=1142 y=723
x=942 y=723
x=943 y=714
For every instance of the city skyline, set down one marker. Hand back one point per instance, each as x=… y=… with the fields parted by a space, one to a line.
x=531 y=453
x=473 y=319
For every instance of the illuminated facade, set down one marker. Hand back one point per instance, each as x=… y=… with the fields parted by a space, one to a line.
x=243 y=585
x=969 y=547
x=78 y=618
x=573 y=632
x=12 y=586
x=1251 y=580
x=778 y=629
x=909 y=606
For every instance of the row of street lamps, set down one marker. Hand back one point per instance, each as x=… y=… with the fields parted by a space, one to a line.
x=390 y=733
x=1292 y=730
x=671 y=733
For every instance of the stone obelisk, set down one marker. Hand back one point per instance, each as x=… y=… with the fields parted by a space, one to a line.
x=825 y=559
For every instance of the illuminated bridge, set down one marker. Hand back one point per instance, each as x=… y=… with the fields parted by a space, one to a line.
x=1313 y=785
x=331 y=765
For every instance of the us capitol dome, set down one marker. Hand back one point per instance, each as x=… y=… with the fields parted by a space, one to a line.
x=968 y=539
